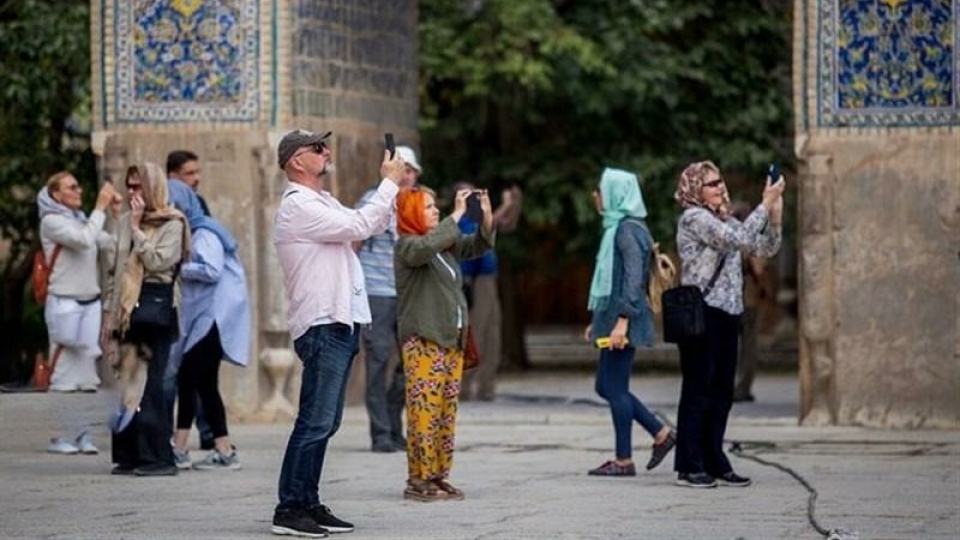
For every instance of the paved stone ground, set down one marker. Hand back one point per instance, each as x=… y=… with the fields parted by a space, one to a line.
x=522 y=462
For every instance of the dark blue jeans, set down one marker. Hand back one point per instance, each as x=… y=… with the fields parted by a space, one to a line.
x=326 y=350
x=709 y=365
x=613 y=385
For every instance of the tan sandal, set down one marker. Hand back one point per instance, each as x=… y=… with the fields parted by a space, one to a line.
x=423 y=491
x=453 y=494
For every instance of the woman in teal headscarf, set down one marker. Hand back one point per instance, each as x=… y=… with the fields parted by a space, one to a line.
x=621 y=313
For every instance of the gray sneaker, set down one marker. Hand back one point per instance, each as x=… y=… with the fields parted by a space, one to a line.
x=181 y=458
x=216 y=460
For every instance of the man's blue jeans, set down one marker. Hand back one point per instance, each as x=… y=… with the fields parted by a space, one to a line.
x=326 y=350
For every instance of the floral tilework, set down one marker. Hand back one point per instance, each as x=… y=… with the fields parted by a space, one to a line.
x=888 y=63
x=187 y=60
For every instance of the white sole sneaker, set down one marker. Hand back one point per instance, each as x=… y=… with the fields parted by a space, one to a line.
x=284 y=531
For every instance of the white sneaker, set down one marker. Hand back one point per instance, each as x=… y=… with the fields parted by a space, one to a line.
x=85 y=445
x=60 y=446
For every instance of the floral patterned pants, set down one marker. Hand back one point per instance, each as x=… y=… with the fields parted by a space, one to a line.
x=433 y=376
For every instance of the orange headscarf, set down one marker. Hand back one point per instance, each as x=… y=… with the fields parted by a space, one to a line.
x=411 y=205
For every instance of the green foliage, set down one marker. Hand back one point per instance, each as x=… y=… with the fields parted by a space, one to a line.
x=544 y=94
x=44 y=79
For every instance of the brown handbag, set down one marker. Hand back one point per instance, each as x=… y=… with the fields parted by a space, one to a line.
x=471 y=355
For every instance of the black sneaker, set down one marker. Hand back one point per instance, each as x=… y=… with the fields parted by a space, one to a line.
x=661 y=450
x=297 y=523
x=123 y=470
x=732 y=479
x=383 y=447
x=325 y=518
x=156 y=470
x=696 y=480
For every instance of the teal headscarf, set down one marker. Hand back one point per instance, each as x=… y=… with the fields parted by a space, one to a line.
x=620 y=191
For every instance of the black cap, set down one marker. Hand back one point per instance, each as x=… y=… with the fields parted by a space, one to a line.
x=295 y=140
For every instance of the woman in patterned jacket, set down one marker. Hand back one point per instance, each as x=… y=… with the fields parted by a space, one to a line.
x=710 y=240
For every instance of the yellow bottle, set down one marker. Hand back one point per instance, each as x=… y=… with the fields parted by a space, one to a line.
x=604 y=342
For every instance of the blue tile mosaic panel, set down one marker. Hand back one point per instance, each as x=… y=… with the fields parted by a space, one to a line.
x=888 y=63
x=187 y=60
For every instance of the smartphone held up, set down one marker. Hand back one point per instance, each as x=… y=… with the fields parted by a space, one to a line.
x=773 y=173
x=474 y=210
x=389 y=144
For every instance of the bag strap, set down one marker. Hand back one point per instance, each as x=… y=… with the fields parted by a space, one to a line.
x=716 y=274
x=53 y=256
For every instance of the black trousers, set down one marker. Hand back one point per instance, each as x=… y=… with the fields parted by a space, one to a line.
x=146 y=441
x=199 y=377
x=709 y=366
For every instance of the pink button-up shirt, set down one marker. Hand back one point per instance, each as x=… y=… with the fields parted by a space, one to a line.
x=321 y=273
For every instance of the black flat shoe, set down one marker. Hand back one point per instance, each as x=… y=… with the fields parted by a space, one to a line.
x=661 y=450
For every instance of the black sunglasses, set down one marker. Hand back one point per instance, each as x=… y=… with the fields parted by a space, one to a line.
x=316 y=148
x=714 y=183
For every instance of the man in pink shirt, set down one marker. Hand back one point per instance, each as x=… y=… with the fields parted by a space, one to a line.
x=327 y=304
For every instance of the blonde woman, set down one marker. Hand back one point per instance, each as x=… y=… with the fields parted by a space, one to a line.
x=72 y=311
x=153 y=241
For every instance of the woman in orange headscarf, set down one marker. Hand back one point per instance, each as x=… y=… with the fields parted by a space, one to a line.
x=432 y=318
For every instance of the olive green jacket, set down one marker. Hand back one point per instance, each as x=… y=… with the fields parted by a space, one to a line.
x=428 y=296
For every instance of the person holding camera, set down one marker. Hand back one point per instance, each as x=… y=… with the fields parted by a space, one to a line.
x=433 y=320
x=621 y=314
x=71 y=242
x=327 y=297
x=710 y=241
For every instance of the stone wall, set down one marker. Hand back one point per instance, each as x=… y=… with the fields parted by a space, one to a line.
x=877 y=88
x=226 y=79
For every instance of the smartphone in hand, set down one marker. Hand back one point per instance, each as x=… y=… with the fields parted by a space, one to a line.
x=389 y=144
x=773 y=172
x=474 y=211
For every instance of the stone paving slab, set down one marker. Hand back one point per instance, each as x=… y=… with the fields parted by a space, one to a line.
x=522 y=461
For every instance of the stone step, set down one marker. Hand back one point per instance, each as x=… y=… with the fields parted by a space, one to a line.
x=563 y=347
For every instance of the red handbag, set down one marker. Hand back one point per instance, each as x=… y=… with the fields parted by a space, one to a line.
x=41 y=273
x=43 y=370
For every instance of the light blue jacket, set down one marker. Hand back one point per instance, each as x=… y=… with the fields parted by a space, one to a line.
x=214 y=290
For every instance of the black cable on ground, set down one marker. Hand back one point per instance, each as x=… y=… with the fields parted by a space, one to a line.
x=737 y=449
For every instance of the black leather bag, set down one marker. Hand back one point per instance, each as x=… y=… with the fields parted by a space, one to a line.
x=684 y=310
x=155 y=306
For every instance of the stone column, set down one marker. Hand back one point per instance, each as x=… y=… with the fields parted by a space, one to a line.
x=226 y=80
x=878 y=139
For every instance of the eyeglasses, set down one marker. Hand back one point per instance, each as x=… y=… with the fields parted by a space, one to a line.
x=316 y=148
x=714 y=183
x=134 y=187
x=74 y=187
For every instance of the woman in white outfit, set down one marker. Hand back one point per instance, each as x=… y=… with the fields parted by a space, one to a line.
x=73 y=309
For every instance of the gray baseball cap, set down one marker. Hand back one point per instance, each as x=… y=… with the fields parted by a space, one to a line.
x=295 y=140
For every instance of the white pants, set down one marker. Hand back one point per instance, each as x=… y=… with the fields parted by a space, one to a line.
x=75 y=328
